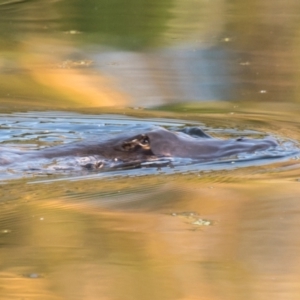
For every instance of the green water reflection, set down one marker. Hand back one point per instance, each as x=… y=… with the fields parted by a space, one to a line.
x=107 y=53
x=132 y=24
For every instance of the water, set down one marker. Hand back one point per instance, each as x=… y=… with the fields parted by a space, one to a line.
x=70 y=70
x=221 y=224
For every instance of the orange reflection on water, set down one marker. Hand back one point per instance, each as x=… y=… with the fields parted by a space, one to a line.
x=74 y=81
x=86 y=89
x=135 y=247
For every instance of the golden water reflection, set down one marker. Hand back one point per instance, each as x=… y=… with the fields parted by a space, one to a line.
x=105 y=239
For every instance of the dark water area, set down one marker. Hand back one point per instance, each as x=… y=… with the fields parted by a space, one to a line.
x=171 y=228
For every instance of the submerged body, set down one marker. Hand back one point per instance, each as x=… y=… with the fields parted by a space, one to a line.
x=157 y=143
x=156 y=147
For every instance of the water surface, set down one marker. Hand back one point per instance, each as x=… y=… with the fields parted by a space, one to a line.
x=214 y=231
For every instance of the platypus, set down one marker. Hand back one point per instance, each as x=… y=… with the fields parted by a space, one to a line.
x=157 y=143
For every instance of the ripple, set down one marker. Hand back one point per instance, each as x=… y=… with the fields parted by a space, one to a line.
x=21 y=132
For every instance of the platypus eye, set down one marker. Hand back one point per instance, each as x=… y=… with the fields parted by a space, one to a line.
x=144 y=140
x=141 y=141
